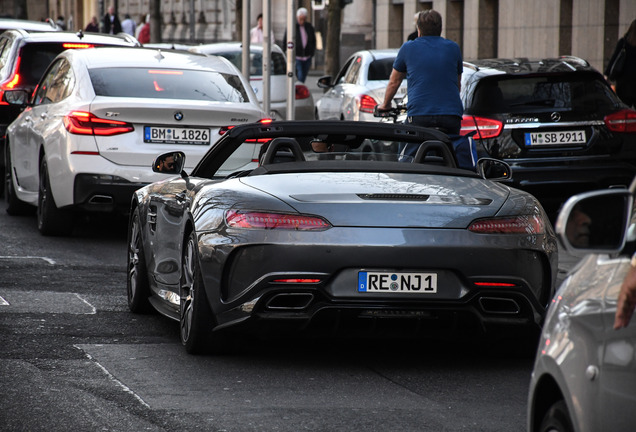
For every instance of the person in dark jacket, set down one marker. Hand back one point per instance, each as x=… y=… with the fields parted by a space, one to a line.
x=305 y=44
x=112 y=25
x=626 y=80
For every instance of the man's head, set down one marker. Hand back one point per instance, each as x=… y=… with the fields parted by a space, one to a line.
x=429 y=23
x=111 y=10
x=259 y=21
x=301 y=15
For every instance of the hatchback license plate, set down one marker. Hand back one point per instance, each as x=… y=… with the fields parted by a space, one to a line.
x=407 y=283
x=555 y=138
x=170 y=135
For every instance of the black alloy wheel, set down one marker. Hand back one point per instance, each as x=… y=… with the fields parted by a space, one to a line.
x=15 y=207
x=557 y=419
x=51 y=220
x=137 y=286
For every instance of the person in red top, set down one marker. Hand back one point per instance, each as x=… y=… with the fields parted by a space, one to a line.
x=144 y=34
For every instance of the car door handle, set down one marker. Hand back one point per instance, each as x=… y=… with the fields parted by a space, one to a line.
x=44 y=115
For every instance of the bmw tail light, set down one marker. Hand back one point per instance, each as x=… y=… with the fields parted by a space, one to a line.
x=302 y=92
x=485 y=127
x=524 y=224
x=266 y=220
x=10 y=83
x=85 y=123
x=367 y=104
x=621 y=121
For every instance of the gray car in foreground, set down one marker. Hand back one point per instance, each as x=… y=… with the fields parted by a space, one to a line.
x=584 y=376
x=316 y=237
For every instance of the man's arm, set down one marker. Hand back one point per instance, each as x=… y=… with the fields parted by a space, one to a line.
x=395 y=80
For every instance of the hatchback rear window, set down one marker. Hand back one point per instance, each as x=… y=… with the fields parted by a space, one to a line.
x=518 y=95
x=380 y=70
x=168 y=84
x=279 y=65
x=34 y=59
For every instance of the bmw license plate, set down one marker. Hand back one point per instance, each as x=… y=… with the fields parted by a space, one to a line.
x=170 y=135
x=408 y=283
x=555 y=138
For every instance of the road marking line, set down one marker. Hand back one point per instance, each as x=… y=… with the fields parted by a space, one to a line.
x=3 y=302
x=113 y=379
x=94 y=309
x=48 y=260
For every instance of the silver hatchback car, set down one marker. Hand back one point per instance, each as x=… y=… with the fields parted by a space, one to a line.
x=584 y=376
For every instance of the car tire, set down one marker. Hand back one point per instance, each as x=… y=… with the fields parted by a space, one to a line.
x=15 y=207
x=557 y=419
x=51 y=220
x=196 y=317
x=137 y=285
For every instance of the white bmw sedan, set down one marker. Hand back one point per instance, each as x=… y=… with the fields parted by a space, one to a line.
x=88 y=137
x=359 y=87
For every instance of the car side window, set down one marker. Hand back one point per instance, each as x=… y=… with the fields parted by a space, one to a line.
x=56 y=85
x=354 y=71
x=5 y=50
x=340 y=79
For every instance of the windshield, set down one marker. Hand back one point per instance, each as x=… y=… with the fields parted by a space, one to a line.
x=168 y=84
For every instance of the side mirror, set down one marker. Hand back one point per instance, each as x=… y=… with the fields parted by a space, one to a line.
x=16 y=97
x=169 y=163
x=494 y=169
x=595 y=222
x=324 y=82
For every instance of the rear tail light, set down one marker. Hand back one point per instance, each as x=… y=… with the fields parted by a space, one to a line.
x=302 y=92
x=11 y=82
x=85 y=123
x=485 y=127
x=525 y=224
x=266 y=220
x=224 y=129
x=621 y=121
x=367 y=104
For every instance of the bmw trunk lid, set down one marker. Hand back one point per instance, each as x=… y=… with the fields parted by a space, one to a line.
x=166 y=125
x=386 y=199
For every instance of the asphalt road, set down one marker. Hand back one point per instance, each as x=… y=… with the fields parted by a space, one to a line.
x=73 y=358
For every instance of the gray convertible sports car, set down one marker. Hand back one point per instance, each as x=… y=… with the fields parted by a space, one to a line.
x=291 y=226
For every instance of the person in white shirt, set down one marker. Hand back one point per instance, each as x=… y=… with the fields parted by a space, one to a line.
x=128 y=25
x=256 y=33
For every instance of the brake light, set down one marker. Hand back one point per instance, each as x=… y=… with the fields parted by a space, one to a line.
x=485 y=127
x=302 y=92
x=621 y=121
x=85 y=123
x=525 y=224
x=265 y=220
x=297 y=281
x=367 y=104
x=77 y=45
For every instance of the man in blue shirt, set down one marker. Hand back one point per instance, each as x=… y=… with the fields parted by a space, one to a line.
x=432 y=66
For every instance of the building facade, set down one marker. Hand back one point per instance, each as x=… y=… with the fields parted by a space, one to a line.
x=483 y=28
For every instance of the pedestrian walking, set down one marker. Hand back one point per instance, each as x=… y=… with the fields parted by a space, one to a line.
x=305 y=44
x=128 y=25
x=621 y=68
x=111 y=22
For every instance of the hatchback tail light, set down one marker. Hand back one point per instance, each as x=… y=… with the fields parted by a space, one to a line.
x=302 y=92
x=10 y=83
x=621 y=121
x=524 y=224
x=75 y=45
x=367 y=104
x=86 y=123
x=485 y=127
x=266 y=220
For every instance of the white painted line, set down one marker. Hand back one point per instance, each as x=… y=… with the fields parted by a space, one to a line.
x=48 y=260
x=113 y=379
x=93 y=308
x=3 y=302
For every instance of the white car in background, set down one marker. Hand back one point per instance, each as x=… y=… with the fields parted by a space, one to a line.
x=100 y=116
x=584 y=377
x=359 y=87
x=233 y=51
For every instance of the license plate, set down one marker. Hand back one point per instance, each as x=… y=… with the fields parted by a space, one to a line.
x=170 y=135
x=555 y=138
x=407 y=283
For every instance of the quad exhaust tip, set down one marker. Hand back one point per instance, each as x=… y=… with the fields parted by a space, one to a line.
x=290 y=301
x=498 y=305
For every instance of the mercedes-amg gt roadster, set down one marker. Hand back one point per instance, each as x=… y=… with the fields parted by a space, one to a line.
x=297 y=226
